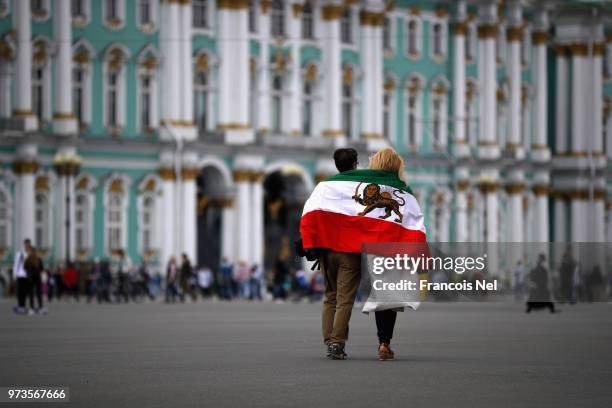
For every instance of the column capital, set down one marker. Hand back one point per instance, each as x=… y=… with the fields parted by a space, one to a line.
x=233 y=4
x=463 y=185
x=26 y=166
x=296 y=9
x=539 y=37
x=579 y=49
x=599 y=48
x=372 y=18
x=332 y=11
x=488 y=186
x=167 y=173
x=541 y=190
x=189 y=173
x=515 y=188
x=487 y=30
x=514 y=34
x=460 y=28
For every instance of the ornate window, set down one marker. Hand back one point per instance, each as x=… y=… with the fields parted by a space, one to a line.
x=526 y=47
x=146 y=15
x=348 y=103
x=83 y=213
x=81 y=12
x=439 y=37
x=81 y=82
x=414 y=112
x=115 y=89
x=389 y=108
x=41 y=81
x=201 y=14
x=308 y=21
x=277 y=102
x=253 y=16
x=471 y=41
x=346 y=26
x=148 y=216
x=414 y=34
x=309 y=100
x=439 y=117
x=116 y=203
x=147 y=90
x=277 y=18
x=113 y=13
x=40 y=9
x=202 y=92
x=5 y=219
x=388 y=33
x=42 y=213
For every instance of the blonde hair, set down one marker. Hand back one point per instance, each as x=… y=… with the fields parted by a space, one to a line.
x=389 y=160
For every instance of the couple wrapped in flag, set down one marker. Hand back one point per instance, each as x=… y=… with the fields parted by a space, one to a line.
x=344 y=212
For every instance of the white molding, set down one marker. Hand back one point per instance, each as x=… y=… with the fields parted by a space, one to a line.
x=221 y=166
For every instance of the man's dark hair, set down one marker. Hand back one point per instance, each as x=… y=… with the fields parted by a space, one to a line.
x=345 y=158
x=27 y=242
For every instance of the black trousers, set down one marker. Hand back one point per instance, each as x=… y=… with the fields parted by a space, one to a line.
x=35 y=292
x=385 y=323
x=23 y=288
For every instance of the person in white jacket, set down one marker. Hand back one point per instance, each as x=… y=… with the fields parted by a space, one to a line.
x=21 y=277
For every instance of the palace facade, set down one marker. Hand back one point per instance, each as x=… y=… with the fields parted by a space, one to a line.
x=158 y=127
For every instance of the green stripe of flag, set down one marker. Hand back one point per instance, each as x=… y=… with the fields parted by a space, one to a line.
x=381 y=177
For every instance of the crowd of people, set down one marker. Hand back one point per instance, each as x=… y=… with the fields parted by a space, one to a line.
x=36 y=284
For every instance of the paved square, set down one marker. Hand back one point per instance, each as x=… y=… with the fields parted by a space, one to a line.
x=267 y=355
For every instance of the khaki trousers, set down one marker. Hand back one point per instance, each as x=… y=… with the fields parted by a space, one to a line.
x=341 y=271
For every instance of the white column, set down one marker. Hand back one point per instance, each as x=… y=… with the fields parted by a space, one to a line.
x=461 y=226
x=228 y=235
x=25 y=169
x=514 y=142
x=332 y=81
x=234 y=65
x=169 y=35
x=186 y=63
x=597 y=98
x=541 y=213
x=578 y=99
x=189 y=212
x=293 y=122
x=487 y=32
x=263 y=97
x=6 y=83
x=243 y=218
x=257 y=217
x=579 y=209
x=64 y=121
x=561 y=105
x=372 y=19
x=515 y=212
x=599 y=214
x=492 y=210
x=168 y=228
x=23 y=72
x=540 y=117
x=459 y=106
x=560 y=218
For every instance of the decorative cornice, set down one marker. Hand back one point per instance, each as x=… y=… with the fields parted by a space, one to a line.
x=233 y=126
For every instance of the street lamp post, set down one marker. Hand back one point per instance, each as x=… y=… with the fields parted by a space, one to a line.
x=67 y=166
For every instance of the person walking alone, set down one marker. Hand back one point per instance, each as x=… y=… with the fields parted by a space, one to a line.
x=21 y=277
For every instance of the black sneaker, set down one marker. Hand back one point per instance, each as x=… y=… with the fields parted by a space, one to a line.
x=336 y=351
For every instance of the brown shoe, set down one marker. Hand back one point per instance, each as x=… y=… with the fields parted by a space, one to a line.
x=384 y=352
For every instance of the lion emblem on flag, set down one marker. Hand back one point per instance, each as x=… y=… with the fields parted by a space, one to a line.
x=373 y=198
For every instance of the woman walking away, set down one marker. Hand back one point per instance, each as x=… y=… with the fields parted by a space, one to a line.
x=386 y=314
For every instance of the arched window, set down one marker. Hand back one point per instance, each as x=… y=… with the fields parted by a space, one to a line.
x=277 y=18
x=114 y=89
x=114 y=222
x=114 y=13
x=41 y=220
x=346 y=26
x=439 y=116
x=38 y=91
x=81 y=82
x=307 y=21
x=201 y=88
x=82 y=215
x=253 y=16
x=116 y=215
x=348 y=103
x=470 y=43
x=388 y=108
x=277 y=102
x=146 y=13
x=112 y=99
x=146 y=101
x=413 y=36
x=78 y=92
x=201 y=13
x=80 y=10
x=414 y=102
x=4 y=220
x=147 y=224
x=308 y=107
x=437 y=39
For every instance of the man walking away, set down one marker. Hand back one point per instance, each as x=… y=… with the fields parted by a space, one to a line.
x=345 y=159
x=21 y=277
